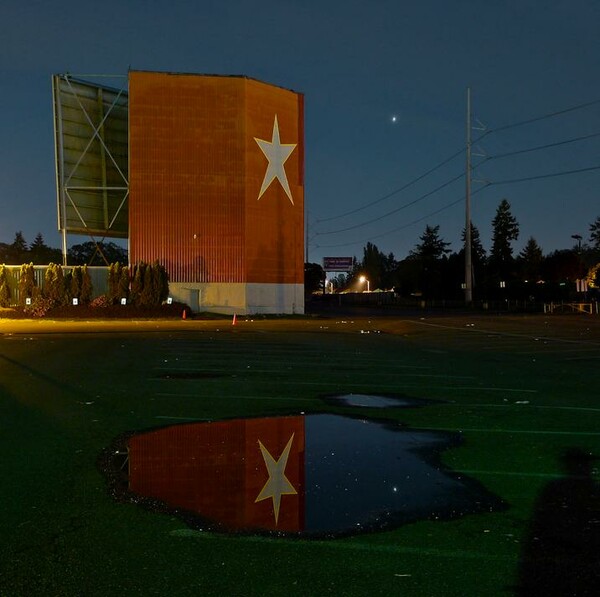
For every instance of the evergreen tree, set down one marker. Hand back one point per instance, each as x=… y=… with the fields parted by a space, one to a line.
x=18 y=252
x=86 y=286
x=478 y=257
x=431 y=247
x=38 y=251
x=76 y=282
x=377 y=267
x=372 y=265
x=530 y=261
x=505 y=230
x=54 y=284
x=563 y=265
x=478 y=254
x=313 y=277
x=124 y=281
x=595 y=234
x=162 y=282
x=5 y=253
x=4 y=288
x=38 y=244
x=27 y=284
x=146 y=298
x=431 y=260
x=137 y=281
x=114 y=279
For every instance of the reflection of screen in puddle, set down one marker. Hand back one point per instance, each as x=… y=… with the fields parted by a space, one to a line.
x=337 y=474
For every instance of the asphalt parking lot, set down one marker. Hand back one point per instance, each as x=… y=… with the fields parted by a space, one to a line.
x=519 y=391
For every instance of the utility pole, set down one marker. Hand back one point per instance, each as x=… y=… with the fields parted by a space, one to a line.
x=468 y=260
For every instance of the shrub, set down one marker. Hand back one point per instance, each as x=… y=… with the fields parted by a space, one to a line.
x=114 y=280
x=40 y=305
x=100 y=302
x=146 y=299
x=4 y=288
x=137 y=282
x=149 y=284
x=76 y=282
x=161 y=283
x=85 y=295
x=27 y=286
x=54 y=284
x=123 y=288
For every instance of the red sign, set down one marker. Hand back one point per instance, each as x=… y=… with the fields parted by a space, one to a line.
x=338 y=264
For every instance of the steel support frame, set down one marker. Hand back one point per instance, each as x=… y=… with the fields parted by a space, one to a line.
x=63 y=187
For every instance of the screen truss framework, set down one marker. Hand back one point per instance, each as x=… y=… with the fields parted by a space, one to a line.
x=91 y=139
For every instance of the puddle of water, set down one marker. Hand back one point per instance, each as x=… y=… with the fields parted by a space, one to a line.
x=372 y=401
x=314 y=475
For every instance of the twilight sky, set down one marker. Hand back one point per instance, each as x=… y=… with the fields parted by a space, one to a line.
x=385 y=96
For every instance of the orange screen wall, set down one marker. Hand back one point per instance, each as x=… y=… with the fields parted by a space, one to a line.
x=196 y=172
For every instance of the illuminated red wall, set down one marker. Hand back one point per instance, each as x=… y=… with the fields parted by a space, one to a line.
x=196 y=172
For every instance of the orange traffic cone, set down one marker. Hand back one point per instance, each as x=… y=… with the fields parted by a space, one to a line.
x=234 y=320
x=184 y=315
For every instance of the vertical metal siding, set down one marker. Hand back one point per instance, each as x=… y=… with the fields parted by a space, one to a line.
x=195 y=175
x=274 y=226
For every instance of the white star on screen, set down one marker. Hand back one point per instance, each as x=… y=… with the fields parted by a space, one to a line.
x=276 y=153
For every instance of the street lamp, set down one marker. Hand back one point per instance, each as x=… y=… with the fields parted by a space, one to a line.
x=364 y=279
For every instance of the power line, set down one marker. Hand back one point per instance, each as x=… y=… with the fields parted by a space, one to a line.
x=453 y=203
x=551 y=175
x=539 y=147
x=398 y=190
x=456 y=154
x=447 y=206
x=397 y=229
x=538 y=118
x=445 y=184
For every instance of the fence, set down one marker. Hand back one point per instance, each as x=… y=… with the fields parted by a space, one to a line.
x=98 y=274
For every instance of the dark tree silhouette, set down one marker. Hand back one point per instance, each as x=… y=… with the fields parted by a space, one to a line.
x=505 y=230
x=530 y=260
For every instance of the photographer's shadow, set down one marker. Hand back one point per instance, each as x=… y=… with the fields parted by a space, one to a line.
x=561 y=555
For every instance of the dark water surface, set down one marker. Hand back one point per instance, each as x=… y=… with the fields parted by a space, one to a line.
x=308 y=475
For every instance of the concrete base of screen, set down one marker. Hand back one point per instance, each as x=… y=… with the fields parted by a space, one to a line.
x=241 y=299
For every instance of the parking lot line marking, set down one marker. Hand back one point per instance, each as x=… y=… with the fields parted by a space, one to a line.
x=523 y=431
x=180 y=395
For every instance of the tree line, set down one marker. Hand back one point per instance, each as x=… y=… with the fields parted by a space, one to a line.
x=432 y=271
x=39 y=253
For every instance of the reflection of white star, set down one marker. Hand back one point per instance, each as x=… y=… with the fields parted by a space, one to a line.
x=277 y=484
x=277 y=153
